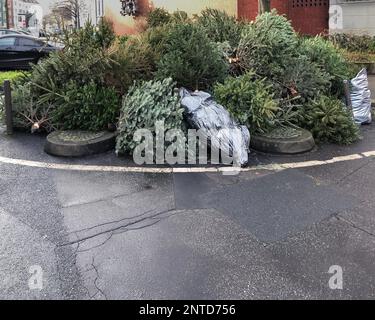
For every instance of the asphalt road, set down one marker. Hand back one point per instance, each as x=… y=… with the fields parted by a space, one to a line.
x=262 y=234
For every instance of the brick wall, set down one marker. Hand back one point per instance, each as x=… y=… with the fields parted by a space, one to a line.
x=307 y=16
x=247 y=9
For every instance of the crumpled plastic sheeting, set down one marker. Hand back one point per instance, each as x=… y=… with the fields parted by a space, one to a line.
x=360 y=95
x=215 y=122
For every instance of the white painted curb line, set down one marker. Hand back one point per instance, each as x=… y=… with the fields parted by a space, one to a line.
x=99 y=168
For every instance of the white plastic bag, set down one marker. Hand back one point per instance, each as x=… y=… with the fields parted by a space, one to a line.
x=360 y=95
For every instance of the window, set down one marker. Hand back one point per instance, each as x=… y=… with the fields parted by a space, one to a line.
x=7 y=42
x=29 y=42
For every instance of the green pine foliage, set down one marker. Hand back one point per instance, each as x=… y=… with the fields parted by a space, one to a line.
x=190 y=58
x=268 y=45
x=88 y=107
x=27 y=113
x=180 y=16
x=105 y=35
x=303 y=79
x=249 y=100
x=146 y=103
x=133 y=60
x=220 y=27
x=330 y=121
x=158 y=17
x=263 y=72
x=323 y=54
x=69 y=88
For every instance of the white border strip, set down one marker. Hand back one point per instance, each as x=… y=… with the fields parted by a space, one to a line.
x=99 y=168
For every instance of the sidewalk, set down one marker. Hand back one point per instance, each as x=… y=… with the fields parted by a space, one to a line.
x=120 y=235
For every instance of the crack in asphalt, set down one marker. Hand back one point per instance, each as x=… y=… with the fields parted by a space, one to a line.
x=352 y=224
x=109 y=198
x=113 y=233
x=117 y=228
x=99 y=290
x=111 y=222
x=97 y=246
x=354 y=171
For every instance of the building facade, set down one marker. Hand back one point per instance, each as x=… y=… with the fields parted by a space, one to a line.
x=129 y=24
x=307 y=16
x=317 y=11
x=25 y=14
x=3 y=14
x=354 y=16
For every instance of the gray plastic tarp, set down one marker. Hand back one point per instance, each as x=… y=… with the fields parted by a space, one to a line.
x=211 y=118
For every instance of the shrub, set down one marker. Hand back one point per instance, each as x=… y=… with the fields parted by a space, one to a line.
x=88 y=107
x=101 y=36
x=330 y=121
x=220 y=27
x=268 y=45
x=135 y=59
x=146 y=103
x=83 y=60
x=360 y=58
x=190 y=58
x=271 y=48
x=353 y=42
x=158 y=17
x=323 y=54
x=11 y=76
x=68 y=90
x=249 y=100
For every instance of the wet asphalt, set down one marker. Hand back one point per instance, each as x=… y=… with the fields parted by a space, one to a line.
x=258 y=235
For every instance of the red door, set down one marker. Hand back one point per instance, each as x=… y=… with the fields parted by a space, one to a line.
x=309 y=16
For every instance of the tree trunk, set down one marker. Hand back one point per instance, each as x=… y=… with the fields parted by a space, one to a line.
x=264 y=6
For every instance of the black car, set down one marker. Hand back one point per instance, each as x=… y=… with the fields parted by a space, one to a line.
x=18 y=51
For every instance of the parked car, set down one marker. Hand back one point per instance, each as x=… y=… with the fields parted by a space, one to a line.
x=18 y=51
x=4 y=32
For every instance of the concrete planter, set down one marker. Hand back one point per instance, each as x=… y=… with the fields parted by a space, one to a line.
x=79 y=143
x=302 y=141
